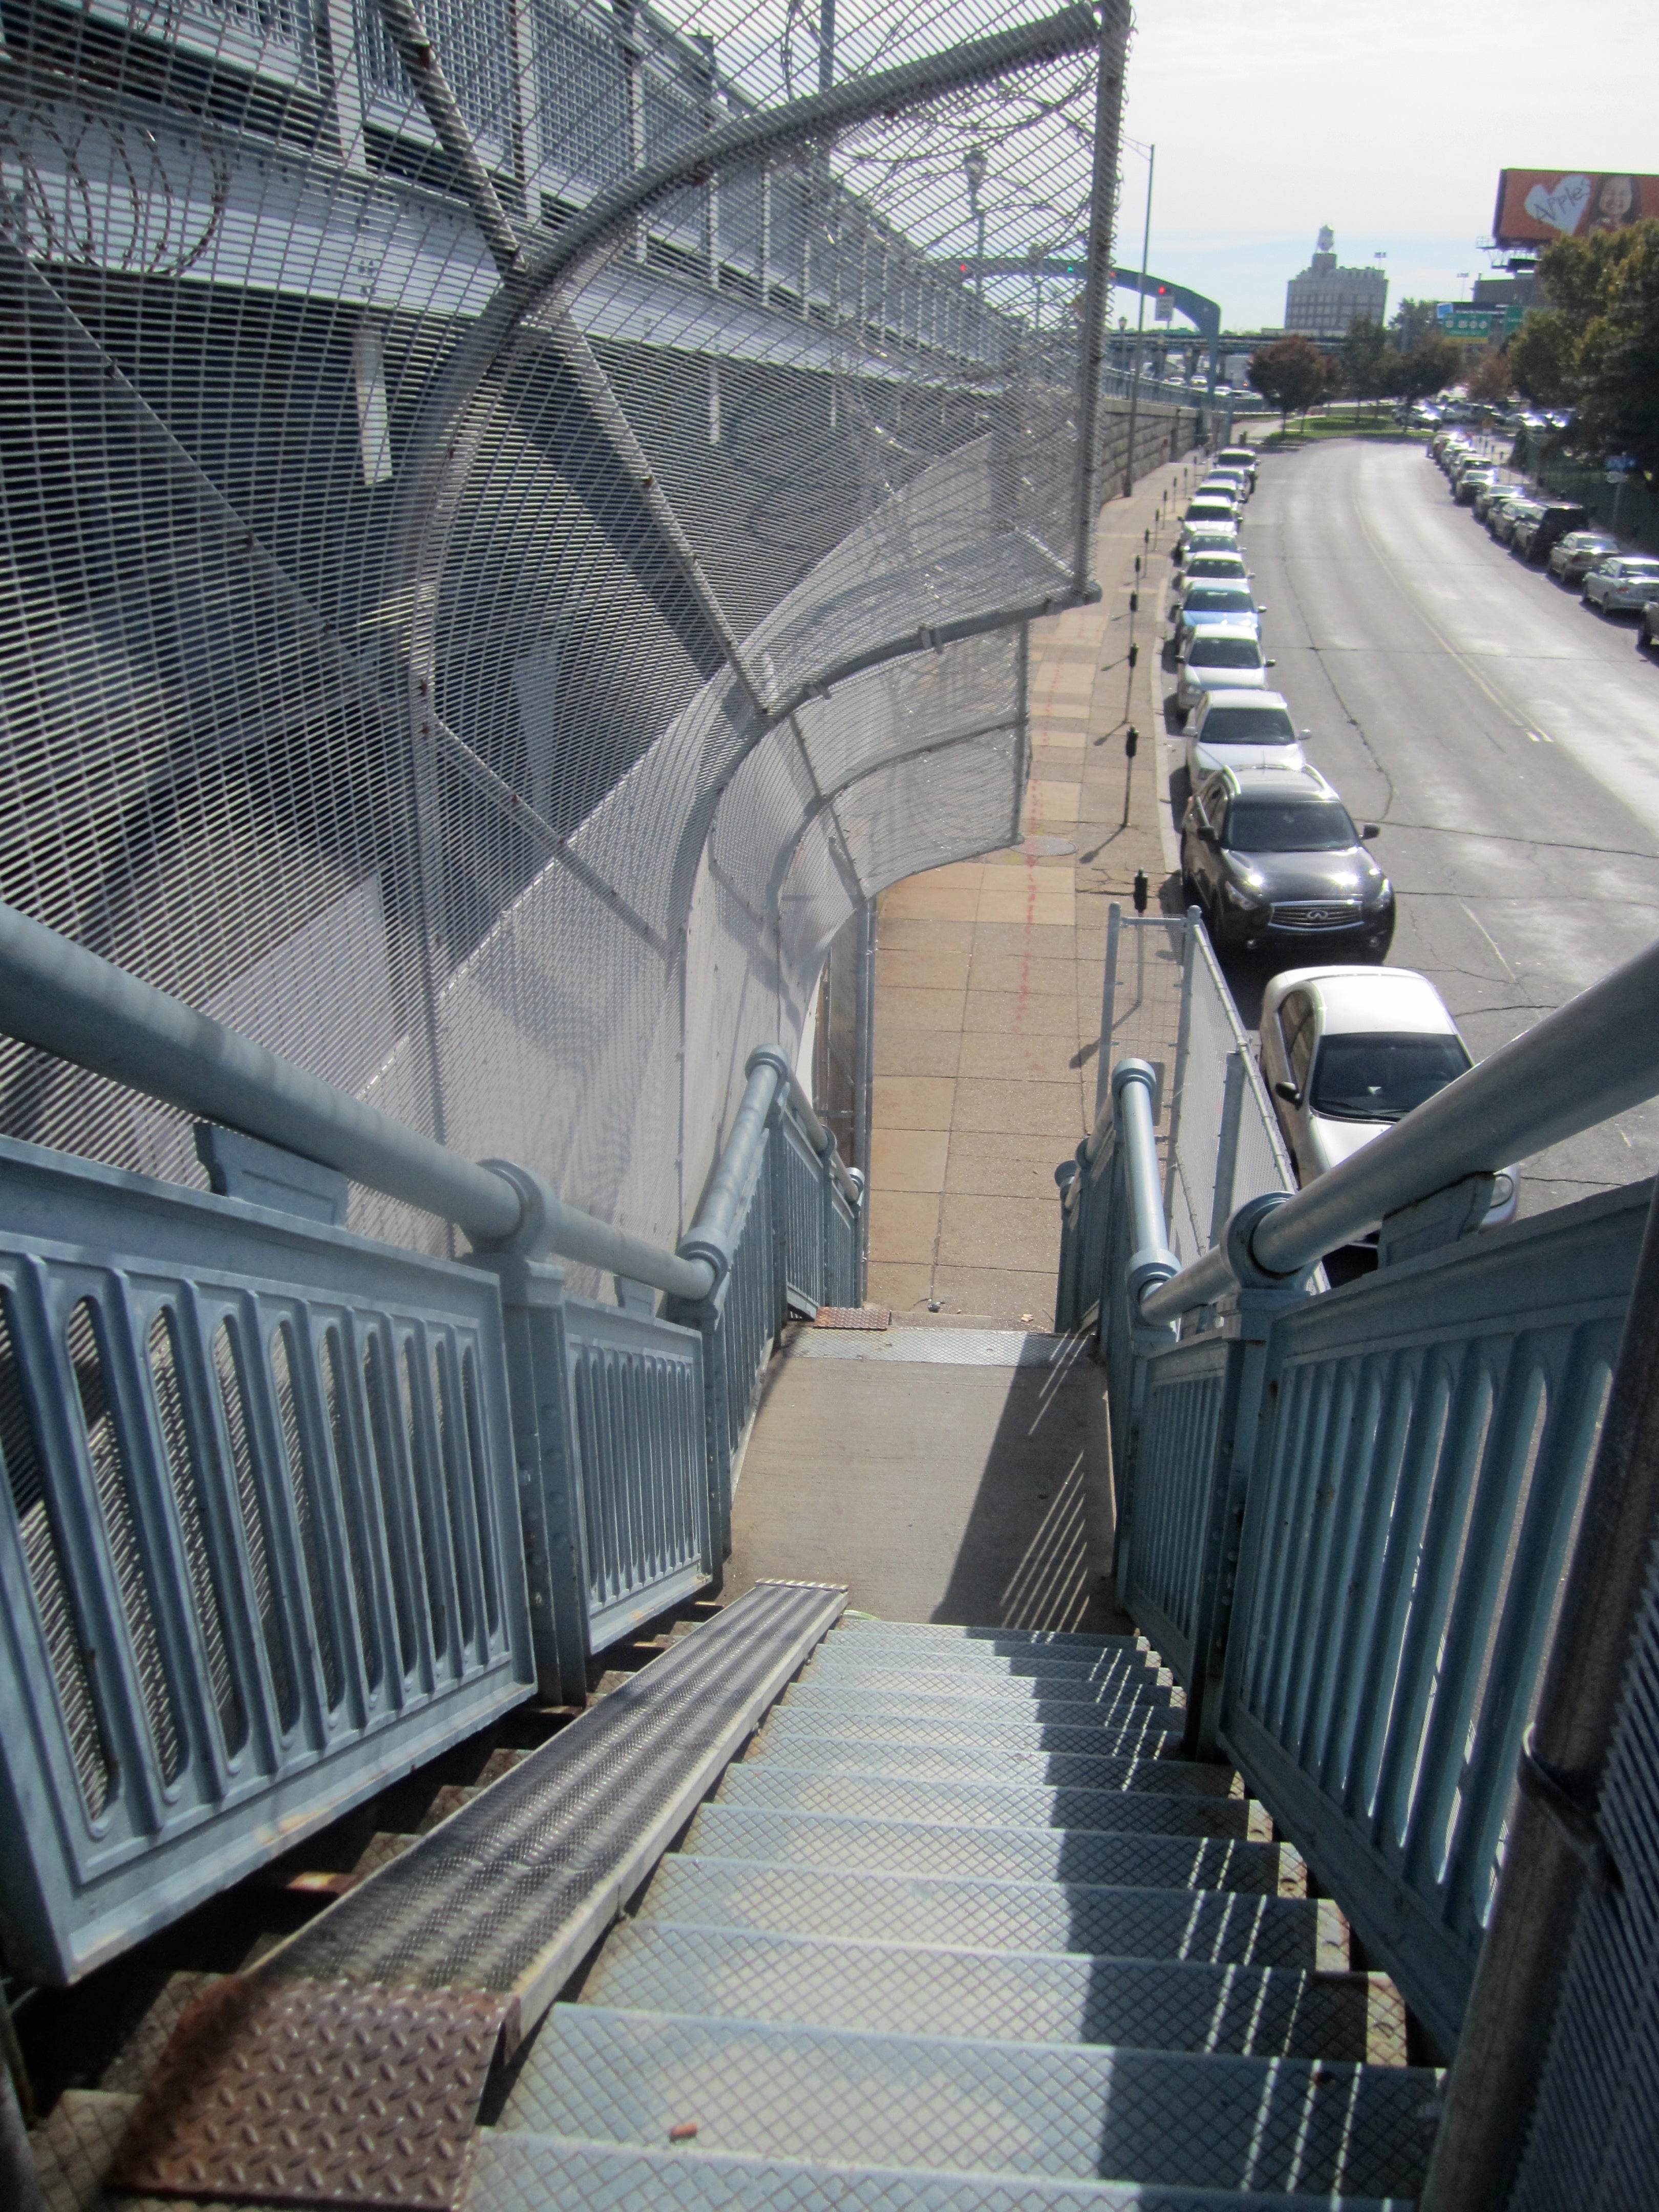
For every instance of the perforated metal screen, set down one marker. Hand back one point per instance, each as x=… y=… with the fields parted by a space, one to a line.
x=489 y=673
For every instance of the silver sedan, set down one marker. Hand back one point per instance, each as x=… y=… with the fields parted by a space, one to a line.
x=1623 y=587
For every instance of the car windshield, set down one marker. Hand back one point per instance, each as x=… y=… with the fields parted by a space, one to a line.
x=1215 y=564
x=1226 y=652
x=1641 y=571
x=1216 y=600
x=1289 y=825
x=1246 y=725
x=1378 y=1079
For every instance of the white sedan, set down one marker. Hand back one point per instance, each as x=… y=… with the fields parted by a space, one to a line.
x=1623 y=587
x=1347 y=1052
x=1217 y=660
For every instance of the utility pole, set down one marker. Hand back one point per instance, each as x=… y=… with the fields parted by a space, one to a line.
x=974 y=167
x=1140 y=322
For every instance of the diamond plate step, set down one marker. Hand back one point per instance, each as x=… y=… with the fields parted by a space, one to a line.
x=1007 y=1996
x=998 y=1855
x=1014 y=1699
x=869 y=1627
x=512 y=1891
x=849 y=1723
x=1138 y=1811
x=529 y=2173
x=1076 y=2112
x=975 y=1854
x=1221 y=1926
x=946 y=1762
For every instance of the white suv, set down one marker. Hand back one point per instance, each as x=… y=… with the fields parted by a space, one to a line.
x=1239 y=728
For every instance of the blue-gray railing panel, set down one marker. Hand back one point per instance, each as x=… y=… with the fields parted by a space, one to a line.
x=1160 y=1549
x=637 y=1389
x=1427 y=1435
x=801 y=1199
x=841 y=1263
x=258 y=1540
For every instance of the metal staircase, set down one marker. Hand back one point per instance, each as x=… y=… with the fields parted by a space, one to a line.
x=961 y=1930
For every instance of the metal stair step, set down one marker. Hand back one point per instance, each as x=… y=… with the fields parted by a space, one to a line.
x=1222 y=1926
x=1137 y=1811
x=1076 y=2111
x=980 y=1762
x=869 y=1628
x=967 y=1663
x=518 y=2172
x=979 y=1854
x=849 y=1723
x=651 y=1965
x=1013 y=1700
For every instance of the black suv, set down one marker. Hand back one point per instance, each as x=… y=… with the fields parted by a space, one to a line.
x=1535 y=534
x=1272 y=857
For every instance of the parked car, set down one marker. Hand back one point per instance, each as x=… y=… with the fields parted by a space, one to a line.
x=1272 y=857
x=1487 y=495
x=1235 y=482
x=1346 y=1052
x=1238 y=457
x=1211 y=537
x=1212 y=660
x=1209 y=568
x=1215 y=607
x=1240 y=729
x=1469 y=480
x=1573 y=556
x=1503 y=520
x=1211 y=510
x=1534 y=535
x=1622 y=587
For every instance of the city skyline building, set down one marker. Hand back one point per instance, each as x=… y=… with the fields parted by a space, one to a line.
x=1324 y=299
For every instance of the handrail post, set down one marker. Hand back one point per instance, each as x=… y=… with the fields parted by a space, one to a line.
x=1108 y=1007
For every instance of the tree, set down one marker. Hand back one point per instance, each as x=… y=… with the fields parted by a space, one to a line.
x=1369 y=361
x=1490 y=382
x=1430 y=365
x=1289 y=374
x=1595 y=346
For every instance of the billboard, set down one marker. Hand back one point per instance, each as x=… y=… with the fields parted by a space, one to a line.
x=1537 y=205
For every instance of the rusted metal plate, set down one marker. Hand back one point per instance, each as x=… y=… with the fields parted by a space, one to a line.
x=316 y=2092
x=854 y=1317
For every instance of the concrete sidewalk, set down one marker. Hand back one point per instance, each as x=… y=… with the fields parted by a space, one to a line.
x=988 y=972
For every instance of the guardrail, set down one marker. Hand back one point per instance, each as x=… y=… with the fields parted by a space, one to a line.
x=1345 y=1515
x=286 y=1511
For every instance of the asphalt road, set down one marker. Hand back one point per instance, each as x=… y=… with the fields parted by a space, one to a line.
x=1505 y=737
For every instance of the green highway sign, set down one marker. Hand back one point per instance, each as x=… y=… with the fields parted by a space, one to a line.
x=1481 y=322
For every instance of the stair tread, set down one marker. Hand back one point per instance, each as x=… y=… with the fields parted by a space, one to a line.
x=1015 y=1696
x=1078 y=2110
x=965 y=1663
x=869 y=1627
x=1025 y=1997
x=960 y=1762
x=850 y=1722
x=1138 y=1862
x=521 y=2172
x=1222 y=1926
x=954 y=1805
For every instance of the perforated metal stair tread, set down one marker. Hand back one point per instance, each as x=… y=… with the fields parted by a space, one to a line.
x=729 y=1973
x=870 y=1627
x=953 y=1805
x=1014 y=1699
x=964 y=1663
x=1221 y=1926
x=980 y=1854
x=930 y=2103
x=511 y=1890
x=525 y=2173
x=518 y=2172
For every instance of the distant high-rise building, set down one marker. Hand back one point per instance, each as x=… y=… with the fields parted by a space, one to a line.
x=1324 y=300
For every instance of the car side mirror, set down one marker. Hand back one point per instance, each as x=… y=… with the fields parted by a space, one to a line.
x=1368 y=831
x=1270 y=663
x=1288 y=1092
x=1304 y=733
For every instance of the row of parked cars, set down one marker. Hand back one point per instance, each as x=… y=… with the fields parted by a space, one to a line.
x=1552 y=532
x=1276 y=864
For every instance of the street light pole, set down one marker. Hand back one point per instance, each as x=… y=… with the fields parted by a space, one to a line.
x=826 y=44
x=974 y=167
x=1140 y=322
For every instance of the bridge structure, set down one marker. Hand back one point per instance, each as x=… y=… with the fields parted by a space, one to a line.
x=508 y=548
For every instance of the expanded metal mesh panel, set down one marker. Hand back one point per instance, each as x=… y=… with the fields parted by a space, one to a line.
x=1595 y=2137
x=455 y=684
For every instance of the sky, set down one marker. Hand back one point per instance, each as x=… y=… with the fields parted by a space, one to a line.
x=1389 y=122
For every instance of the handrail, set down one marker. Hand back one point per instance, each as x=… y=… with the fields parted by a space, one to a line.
x=1589 y=1060
x=58 y=996
x=1151 y=1260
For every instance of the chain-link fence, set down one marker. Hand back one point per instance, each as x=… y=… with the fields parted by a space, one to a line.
x=512 y=528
